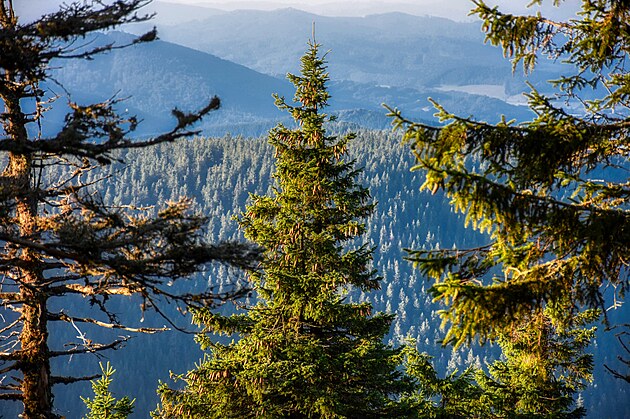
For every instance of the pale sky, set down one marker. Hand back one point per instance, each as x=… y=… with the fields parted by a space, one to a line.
x=453 y=9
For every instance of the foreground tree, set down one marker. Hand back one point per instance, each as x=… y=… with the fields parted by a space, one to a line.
x=58 y=239
x=553 y=193
x=456 y=396
x=303 y=351
x=104 y=405
x=545 y=367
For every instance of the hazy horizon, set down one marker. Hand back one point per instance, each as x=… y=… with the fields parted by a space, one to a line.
x=453 y=9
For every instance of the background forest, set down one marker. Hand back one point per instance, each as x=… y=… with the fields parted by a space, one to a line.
x=219 y=173
x=393 y=58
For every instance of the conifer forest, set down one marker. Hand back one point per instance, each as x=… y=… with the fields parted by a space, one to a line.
x=234 y=212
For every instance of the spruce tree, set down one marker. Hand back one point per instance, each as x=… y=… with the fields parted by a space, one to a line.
x=104 y=405
x=59 y=241
x=552 y=193
x=544 y=367
x=457 y=395
x=552 y=196
x=302 y=350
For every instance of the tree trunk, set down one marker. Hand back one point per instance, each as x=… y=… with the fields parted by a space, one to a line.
x=36 y=384
x=34 y=359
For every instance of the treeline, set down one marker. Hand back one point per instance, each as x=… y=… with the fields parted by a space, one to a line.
x=218 y=174
x=94 y=250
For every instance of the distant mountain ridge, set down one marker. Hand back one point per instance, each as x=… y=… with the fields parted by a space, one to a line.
x=393 y=48
x=456 y=10
x=156 y=77
x=159 y=76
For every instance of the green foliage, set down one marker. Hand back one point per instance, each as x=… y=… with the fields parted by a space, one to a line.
x=455 y=396
x=303 y=350
x=544 y=368
x=219 y=173
x=551 y=194
x=104 y=405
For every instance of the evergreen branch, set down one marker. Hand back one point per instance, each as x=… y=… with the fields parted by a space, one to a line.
x=96 y=120
x=400 y=121
x=232 y=253
x=62 y=52
x=48 y=249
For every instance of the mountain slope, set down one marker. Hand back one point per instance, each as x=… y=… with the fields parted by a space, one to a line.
x=394 y=49
x=218 y=174
x=156 y=77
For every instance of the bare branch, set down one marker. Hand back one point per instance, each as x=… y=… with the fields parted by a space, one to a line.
x=9 y=296
x=617 y=374
x=92 y=348
x=12 y=325
x=11 y=367
x=10 y=396
x=71 y=380
x=93 y=290
x=64 y=317
x=626 y=348
x=11 y=356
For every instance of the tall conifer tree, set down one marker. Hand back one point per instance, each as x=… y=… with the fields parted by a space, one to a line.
x=544 y=367
x=304 y=351
x=553 y=193
x=58 y=239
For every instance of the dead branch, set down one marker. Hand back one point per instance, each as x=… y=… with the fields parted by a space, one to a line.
x=64 y=317
x=70 y=380
x=91 y=348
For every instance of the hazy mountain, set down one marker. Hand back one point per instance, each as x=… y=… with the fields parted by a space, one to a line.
x=154 y=78
x=392 y=49
x=454 y=9
x=457 y=10
x=172 y=13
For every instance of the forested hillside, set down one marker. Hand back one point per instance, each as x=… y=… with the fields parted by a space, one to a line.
x=220 y=173
x=100 y=248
